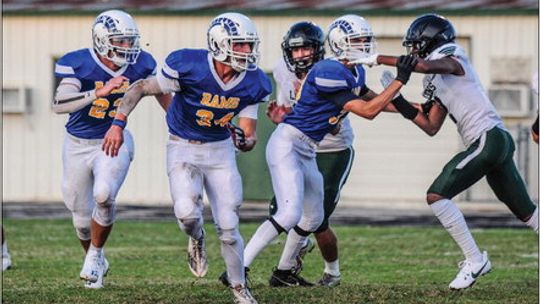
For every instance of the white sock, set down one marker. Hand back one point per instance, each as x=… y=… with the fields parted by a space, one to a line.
x=4 y=249
x=533 y=221
x=292 y=246
x=332 y=268
x=452 y=220
x=265 y=234
x=234 y=261
x=98 y=250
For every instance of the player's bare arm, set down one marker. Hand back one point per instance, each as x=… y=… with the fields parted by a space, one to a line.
x=432 y=121
x=69 y=98
x=114 y=137
x=446 y=65
x=371 y=109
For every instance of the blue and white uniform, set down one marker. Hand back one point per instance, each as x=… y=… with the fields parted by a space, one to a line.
x=200 y=152
x=291 y=150
x=90 y=176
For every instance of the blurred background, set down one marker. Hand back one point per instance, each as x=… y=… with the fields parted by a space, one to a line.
x=395 y=161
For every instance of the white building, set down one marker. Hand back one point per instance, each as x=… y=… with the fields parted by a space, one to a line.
x=394 y=162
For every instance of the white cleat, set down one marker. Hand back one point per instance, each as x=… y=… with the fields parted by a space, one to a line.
x=197 y=261
x=469 y=272
x=6 y=262
x=329 y=280
x=99 y=283
x=93 y=266
x=307 y=248
x=242 y=295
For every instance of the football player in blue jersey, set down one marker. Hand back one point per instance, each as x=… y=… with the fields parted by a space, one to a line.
x=92 y=83
x=211 y=87
x=328 y=93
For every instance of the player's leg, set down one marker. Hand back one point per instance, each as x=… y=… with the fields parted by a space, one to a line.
x=223 y=186
x=186 y=186
x=6 y=259
x=288 y=185
x=311 y=219
x=335 y=168
x=507 y=184
x=465 y=169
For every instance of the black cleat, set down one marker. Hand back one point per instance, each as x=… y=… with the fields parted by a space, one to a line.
x=224 y=278
x=286 y=278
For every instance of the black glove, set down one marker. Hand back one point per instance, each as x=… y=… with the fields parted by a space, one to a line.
x=426 y=106
x=238 y=136
x=405 y=65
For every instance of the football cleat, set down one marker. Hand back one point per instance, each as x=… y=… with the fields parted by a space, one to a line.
x=308 y=247
x=224 y=278
x=197 y=262
x=329 y=280
x=6 y=262
x=93 y=266
x=286 y=278
x=242 y=295
x=99 y=283
x=469 y=272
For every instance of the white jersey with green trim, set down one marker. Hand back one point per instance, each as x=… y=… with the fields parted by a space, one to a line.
x=463 y=96
x=287 y=84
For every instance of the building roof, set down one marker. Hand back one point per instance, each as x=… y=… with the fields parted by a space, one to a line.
x=265 y=6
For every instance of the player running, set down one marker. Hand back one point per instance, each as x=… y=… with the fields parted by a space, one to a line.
x=93 y=82
x=212 y=86
x=328 y=93
x=452 y=88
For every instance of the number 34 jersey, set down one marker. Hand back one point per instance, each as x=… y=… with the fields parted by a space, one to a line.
x=93 y=121
x=203 y=104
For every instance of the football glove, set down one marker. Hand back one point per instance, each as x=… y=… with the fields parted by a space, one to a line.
x=238 y=136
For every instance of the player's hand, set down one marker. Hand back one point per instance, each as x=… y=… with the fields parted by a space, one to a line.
x=405 y=66
x=386 y=78
x=114 y=138
x=239 y=138
x=370 y=60
x=276 y=113
x=112 y=84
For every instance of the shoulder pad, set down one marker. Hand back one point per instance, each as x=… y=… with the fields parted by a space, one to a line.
x=182 y=61
x=146 y=64
x=74 y=64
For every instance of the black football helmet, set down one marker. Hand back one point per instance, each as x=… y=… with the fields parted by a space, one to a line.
x=427 y=33
x=302 y=34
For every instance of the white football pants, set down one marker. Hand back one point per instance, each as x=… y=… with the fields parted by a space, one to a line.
x=211 y=166
x=90 y=176
x=297 y=182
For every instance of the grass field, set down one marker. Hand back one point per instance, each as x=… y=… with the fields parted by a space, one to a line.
x=378 y=264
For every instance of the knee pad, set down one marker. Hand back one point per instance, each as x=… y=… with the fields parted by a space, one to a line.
x=190 y=225
x=229 y=236
x=104 y=214
x=102 y=194
x=82 y=227
x=287 y=219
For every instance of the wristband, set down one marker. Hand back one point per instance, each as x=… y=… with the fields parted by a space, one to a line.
x=404 y=107
x=117 y=122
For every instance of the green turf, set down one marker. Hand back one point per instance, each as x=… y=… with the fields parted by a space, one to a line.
x=378 y=264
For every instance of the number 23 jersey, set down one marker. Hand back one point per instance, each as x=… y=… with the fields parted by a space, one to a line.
x=203 y=105
x=93 y=121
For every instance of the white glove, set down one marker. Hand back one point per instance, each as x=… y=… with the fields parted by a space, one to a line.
x=370 y=60
x=386 y=78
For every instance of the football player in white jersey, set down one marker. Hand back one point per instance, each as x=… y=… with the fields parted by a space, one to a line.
x=329 y=91
x=453 y=88
x=212 y=86
x=302 y=47
x=93 y=82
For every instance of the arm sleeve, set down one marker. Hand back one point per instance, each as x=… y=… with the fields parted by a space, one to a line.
x=250 y=111
x=136 y=91
x=68 y=97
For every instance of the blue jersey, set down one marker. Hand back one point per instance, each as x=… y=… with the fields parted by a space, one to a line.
x=204 y=105
x=315 y=115
x=93 y=121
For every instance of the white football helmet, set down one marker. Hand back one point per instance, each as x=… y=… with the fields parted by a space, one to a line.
x=343 y=36
x=116 y=37
x=227 y=29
